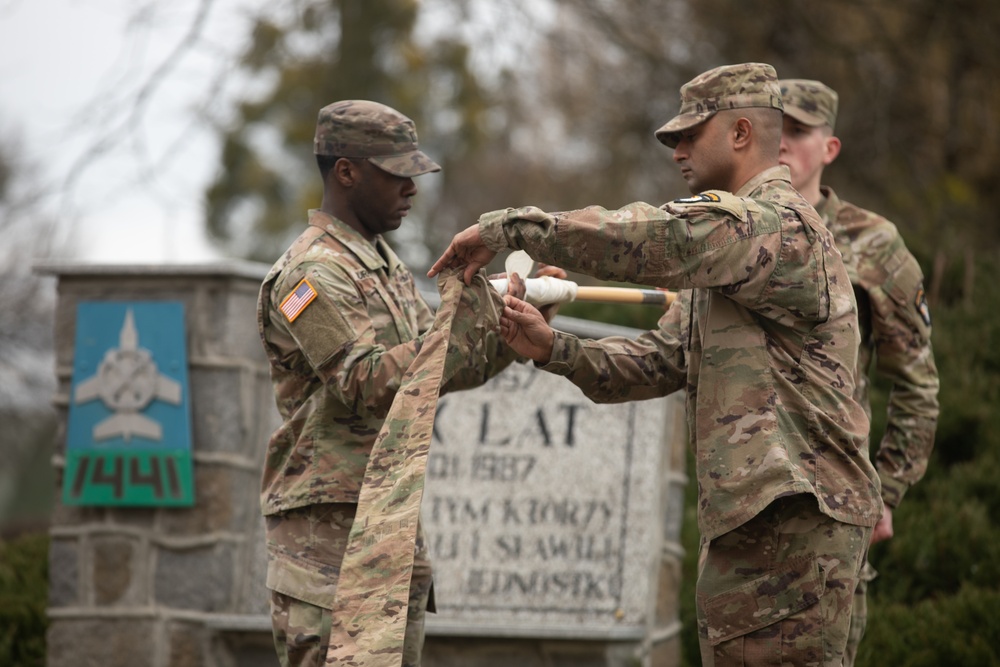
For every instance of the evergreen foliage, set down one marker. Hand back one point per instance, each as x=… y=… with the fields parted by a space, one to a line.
x=299 y=60
x=23 y=594
x=959 y=630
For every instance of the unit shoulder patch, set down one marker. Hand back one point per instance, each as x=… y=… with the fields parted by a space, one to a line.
x=704 y=197
x=920 y=302
x=709 y=200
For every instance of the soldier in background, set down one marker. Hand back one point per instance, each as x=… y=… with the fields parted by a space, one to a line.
x=341 y=320
x=764 y=340
x=892 y=310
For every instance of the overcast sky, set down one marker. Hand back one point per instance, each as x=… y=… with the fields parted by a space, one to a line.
x=67 y=71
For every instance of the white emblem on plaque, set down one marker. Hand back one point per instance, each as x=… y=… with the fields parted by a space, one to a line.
x=127 y=381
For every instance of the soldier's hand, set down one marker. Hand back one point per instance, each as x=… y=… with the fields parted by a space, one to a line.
x=466 y=249
x=516 y=286
x=883 y=529
x=549 y=311
x=525 y=330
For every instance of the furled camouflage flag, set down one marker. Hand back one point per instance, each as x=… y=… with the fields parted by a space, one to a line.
x=369 y=614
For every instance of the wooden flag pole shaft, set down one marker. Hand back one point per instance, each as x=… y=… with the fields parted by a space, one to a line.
x=624 y=295
x=547 y=290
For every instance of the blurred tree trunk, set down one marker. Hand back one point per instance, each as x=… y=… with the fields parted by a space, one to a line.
x=324 y=51
x=27 y=360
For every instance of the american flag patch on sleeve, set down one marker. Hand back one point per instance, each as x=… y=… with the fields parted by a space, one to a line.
x=296 y=302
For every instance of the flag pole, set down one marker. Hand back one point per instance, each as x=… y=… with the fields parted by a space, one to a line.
x=546 y=290
x=625 y=295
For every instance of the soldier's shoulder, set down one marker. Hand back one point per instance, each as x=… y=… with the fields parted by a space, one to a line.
x=310 y=242
x=712 y=203
x=332 y=267
x=872 y=235
x=857 y=221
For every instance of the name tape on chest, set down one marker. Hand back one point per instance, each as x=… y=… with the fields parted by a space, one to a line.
x=293 y=304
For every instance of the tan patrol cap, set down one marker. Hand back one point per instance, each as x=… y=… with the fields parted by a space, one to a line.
x=812 y=103
x=382 y=135
x=726 y=87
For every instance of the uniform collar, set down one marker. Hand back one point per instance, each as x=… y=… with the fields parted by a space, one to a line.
x=776 y=173
x=374 y=256
x=830 y=203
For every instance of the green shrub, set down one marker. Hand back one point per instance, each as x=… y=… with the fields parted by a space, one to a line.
x=962 y=630
x=949 y=540
x=23 y=595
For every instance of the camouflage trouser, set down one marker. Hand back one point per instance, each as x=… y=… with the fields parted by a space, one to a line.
x=778 y=590
x=309 y=543
x=859 y=615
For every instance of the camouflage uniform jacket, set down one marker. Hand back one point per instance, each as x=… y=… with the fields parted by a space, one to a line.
x=764 y=339
x=337 y=366
x=895 y=328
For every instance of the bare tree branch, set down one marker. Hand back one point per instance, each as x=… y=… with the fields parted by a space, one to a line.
x=139 y=103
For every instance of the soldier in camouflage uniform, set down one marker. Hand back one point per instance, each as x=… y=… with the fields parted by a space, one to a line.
x=763 y=337
x=341 y=321
x=892 y=309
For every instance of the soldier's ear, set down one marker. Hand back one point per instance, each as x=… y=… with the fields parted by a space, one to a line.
x=345 y=172
x=831 y=149
x=741 y=132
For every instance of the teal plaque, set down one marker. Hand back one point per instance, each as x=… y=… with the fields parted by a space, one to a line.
x=129 y=433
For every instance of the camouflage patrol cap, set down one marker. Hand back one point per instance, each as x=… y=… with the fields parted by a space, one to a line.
x=812 y=103
x=382 y=135
x=727 y=87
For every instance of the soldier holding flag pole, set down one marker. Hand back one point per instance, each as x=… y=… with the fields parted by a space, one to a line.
x=763 y=337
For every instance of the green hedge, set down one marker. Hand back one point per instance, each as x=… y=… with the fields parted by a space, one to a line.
x=24 y=567
x=959 y=630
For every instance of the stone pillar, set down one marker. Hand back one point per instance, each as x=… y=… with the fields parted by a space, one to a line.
x=155 y=586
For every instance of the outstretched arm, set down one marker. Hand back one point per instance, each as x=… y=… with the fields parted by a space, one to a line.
x=722 y=242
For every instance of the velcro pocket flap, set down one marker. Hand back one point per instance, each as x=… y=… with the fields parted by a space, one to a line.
x=797 y=585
